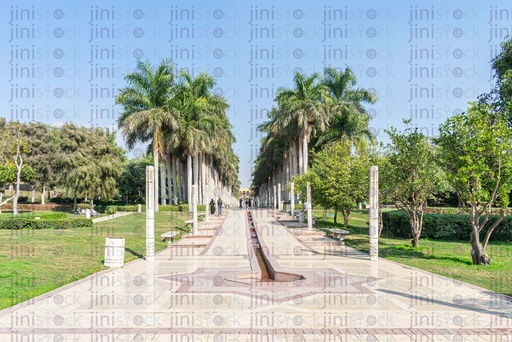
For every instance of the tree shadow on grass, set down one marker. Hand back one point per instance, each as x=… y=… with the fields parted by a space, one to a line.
x=426 y=253
x=132 y=252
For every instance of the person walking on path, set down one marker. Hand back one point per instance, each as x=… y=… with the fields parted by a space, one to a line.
x=219 y=206
x=212 y=207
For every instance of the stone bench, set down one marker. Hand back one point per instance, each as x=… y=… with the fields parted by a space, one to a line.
x=168 y=236
x=339 y=234
x=189 y=222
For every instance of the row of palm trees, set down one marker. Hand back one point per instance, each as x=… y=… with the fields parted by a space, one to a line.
x=184 y=122
x=317 y=110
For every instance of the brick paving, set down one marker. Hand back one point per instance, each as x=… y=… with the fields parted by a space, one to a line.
x=212 y=290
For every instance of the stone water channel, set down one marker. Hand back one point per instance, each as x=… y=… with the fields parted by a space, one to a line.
x=270 y=269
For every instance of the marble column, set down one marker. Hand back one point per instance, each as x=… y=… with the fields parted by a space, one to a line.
x=194 y=210
x=292 y=198
x=150 y=212
x=374 y=213
x=309 y=207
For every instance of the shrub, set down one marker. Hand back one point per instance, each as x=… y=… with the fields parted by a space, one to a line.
x=130 y=208
x=111 y=210
x=26 y=223
x=443 y=226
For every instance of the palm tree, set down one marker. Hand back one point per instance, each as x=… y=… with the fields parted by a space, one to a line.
x=304 y=109
x=146 y=116
x=350 y=119
x=200 y=114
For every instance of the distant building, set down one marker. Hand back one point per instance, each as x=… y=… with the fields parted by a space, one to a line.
x=245 y=192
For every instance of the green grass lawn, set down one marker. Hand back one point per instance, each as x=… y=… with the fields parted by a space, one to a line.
x=33 y=262
x=448 y=258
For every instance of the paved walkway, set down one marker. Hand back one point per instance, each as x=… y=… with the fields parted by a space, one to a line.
x=209 y=287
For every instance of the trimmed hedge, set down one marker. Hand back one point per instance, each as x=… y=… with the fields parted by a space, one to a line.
x=181 y=207
x=39 y=207
x=443 y=226
x=25 y=223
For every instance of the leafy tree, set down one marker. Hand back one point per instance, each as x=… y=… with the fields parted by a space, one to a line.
x=475 y=149
x=339 y=177
x=499 y=98
x=43 y=142
x=91 y=160
x=15 y=149
x=132 y=181
x=9 y=174
x=411 y=175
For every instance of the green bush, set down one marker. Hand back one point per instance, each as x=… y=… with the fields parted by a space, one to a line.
x=111 y=210
x=25 y=223
x=443 y=226
x=130 y=208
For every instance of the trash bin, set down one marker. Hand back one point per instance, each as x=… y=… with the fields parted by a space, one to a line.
x=301 y=216
x=288 y=208
x=114 y=252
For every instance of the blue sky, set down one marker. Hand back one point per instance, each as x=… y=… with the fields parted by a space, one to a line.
x=63 y=62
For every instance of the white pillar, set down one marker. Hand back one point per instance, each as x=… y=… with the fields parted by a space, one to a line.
x=150 y=212
x=292 y=197
x=279 y=196
x=309 y=206
x=194 y=209
x=374 y=213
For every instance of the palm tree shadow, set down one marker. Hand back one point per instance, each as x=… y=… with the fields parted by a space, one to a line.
x=132 y=252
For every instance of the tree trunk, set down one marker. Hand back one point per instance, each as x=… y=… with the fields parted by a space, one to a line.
x=43 y=195
x=477 y=249
x=195 y=160
x=17 y=192
x=175 y=179
x=184 y=180
x=155 y=165
x=202 y=176
x=325 y=214
x=162 y=182
x=416 y=220
x=170 y=184
x=335 y=215
x=189 y=182
x=301 y=156
x=305 y=152
x=346 y=215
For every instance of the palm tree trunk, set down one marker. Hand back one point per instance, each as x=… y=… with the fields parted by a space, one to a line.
x=203 y=179
x=189 y=182
x=301 y=156
x=162 y=182
x=170 y=184
x=155 y=164
x=195 y=159
x=175 y=179
x=305 y=151
x=184 y=181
